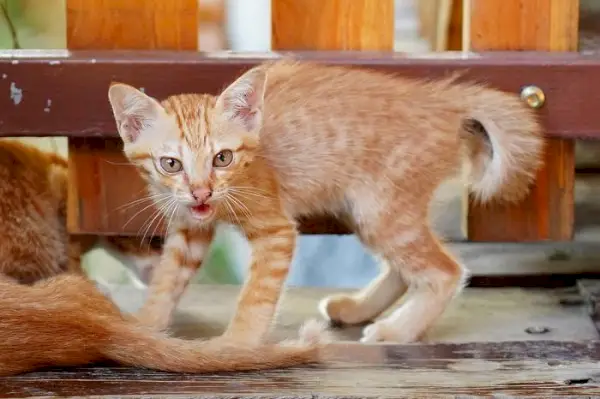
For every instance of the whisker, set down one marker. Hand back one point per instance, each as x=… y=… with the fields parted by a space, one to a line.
x=159 y=214
x=143 y=199
x=143 y=209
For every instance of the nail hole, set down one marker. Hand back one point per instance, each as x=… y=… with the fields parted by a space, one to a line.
x=577 y=381
x=537 y=330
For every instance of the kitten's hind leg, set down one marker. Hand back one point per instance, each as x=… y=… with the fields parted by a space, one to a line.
x=369 y=302
x=434 y=278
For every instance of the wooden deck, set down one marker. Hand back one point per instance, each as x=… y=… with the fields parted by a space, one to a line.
x=544 y=345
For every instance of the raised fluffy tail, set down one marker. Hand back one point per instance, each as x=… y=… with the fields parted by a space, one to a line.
x=504 y=143
x=66 y=321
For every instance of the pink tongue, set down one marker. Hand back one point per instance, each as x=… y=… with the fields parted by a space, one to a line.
x=202 y=208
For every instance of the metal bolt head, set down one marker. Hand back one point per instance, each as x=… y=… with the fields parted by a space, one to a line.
x=537 y=330
x=533 y=96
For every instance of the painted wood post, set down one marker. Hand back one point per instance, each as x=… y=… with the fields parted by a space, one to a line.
x=546 y=25
x=107 y=25
x=332 y=25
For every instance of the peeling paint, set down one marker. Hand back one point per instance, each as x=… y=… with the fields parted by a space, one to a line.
x=143 y=89
x=93 y=60
x=48 y=105
x=14 y=62
x=54 y=63
x=4 y=76
x=16 y=94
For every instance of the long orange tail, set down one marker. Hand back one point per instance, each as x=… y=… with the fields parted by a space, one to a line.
x=66 y=321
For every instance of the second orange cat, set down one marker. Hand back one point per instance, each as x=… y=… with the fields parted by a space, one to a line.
x=291 y=139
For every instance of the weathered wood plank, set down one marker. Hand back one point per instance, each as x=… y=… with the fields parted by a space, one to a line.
x=75 y=83
x=547 y=214
x=475 y=370
x=563 y=362
x=478 y=315
x=333 y=25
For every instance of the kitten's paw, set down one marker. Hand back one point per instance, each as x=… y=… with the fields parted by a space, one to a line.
x=313 y=333
x=383 y=331
x=342 y=309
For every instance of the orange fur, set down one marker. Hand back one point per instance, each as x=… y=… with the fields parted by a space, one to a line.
x=33 y=198
x=66 y=321
x=290 y=139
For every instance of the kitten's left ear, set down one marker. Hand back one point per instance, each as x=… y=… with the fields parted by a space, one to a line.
x=242 y=102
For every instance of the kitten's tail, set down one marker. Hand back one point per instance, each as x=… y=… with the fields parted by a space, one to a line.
x=66 y=321
x=141 y=348
x=504 y=143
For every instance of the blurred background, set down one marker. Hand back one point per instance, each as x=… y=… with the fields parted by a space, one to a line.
x=244 y=25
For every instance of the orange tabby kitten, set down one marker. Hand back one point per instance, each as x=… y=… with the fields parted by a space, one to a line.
x=66 y=321
x=290 y=139
x=33 y=198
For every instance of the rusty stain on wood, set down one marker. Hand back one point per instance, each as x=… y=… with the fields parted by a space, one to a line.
x=548 y=213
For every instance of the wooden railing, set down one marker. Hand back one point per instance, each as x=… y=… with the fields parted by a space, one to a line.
x=65 y=93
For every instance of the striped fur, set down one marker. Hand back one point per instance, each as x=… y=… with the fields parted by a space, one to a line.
x=310 y=139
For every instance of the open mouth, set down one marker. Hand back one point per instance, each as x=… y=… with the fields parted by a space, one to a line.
x=201 y=211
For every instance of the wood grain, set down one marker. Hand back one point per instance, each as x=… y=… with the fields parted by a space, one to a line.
x=564 y=362
x=548 y=212
x=99 y=174
x=132 y=24
x=332 y=25
x=76 y=82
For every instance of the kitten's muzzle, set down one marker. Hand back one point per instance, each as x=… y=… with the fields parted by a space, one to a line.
x=201 y=195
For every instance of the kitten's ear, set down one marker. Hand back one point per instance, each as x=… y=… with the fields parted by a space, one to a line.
x=242 y=102
x=134 y=111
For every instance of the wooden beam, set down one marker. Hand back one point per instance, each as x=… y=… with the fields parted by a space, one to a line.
x=333 y=25
x=548 y=213
x=75 y=83
x=117 y=24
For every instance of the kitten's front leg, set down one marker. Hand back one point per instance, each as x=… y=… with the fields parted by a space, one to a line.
x=183 y=253
x=272 y=251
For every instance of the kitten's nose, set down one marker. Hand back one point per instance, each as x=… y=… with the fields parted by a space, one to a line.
x=202 y=194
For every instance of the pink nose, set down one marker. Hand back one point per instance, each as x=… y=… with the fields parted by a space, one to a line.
x=202 y=194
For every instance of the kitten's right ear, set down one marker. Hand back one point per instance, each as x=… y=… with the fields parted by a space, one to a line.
x=133 y=110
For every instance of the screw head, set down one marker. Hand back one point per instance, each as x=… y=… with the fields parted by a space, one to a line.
x=533 y=96
x=537 y=330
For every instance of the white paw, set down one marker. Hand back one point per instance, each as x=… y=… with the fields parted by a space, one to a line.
x=383 y=331
x=312 y=333
x=341 y=309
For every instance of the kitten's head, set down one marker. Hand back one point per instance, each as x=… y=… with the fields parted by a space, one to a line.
x=191 y=149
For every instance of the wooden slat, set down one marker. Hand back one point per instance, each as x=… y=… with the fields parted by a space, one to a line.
x=333 y=24
x=101 y=180
x=455 y=30
x=547 y=214
x=535 y=369
x=132 y=24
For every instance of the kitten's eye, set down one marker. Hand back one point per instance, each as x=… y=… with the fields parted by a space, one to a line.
x=170 y=165
x=223 y=159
